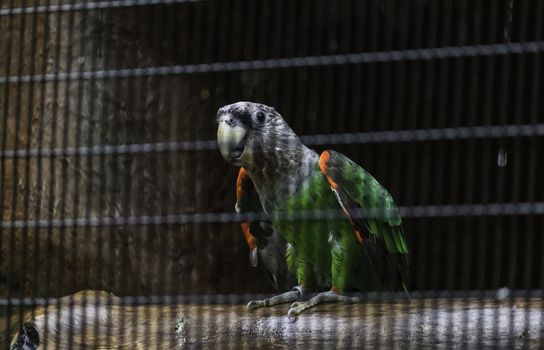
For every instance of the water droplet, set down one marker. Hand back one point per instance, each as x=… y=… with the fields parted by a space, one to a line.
x=502 y=293
x=502 y=158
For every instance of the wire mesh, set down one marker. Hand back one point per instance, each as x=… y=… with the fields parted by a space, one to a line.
x=117 y=219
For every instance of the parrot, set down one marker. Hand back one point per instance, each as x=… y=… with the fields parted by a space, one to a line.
x=329 y=256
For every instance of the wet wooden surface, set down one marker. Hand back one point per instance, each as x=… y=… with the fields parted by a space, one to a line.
x=517 y=323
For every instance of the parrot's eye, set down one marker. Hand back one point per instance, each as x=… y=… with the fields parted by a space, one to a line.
x=259 y=117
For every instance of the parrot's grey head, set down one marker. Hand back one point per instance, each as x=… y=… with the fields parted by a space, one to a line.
x=248 y=131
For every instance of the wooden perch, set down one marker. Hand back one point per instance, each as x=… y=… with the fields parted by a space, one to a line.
x=98 y=320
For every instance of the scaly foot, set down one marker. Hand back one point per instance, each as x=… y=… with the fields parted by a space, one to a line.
x=288 y=297
x=321 y=298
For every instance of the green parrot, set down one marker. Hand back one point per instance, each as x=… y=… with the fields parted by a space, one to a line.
x=358 y=250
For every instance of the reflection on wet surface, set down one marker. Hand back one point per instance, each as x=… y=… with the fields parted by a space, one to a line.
x=102 y=322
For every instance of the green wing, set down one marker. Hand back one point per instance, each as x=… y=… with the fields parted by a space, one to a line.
x=373 y=215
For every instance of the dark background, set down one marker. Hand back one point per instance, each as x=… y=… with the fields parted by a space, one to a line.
x=476 y=252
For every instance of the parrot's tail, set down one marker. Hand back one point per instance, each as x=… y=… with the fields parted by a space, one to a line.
x=406 y=292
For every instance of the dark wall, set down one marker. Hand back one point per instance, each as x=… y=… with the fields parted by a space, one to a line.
x=447 y=253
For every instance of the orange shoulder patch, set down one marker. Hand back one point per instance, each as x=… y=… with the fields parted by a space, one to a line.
x=323 y=166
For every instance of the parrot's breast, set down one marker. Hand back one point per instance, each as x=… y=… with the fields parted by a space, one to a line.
x=312 y=237
x=297 y=201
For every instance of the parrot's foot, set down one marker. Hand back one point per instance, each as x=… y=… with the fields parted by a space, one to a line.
x=321 y=298
x=288 y=297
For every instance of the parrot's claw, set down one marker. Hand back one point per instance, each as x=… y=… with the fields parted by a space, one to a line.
x=295 y=304
x=255 y=304
x=284 y=298
x=292 y=315
x=321 y=298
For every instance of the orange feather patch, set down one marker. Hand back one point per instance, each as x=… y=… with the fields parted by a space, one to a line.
x=240 y=192
x=359 y=236
x=250 y=239
x=323 y=160
x=323 y=166
x=242 y=174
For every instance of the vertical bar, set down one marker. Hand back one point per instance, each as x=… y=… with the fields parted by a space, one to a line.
x=535 y=166
x=371 y=110
x=346 y=93
x=175 y=105
x=49 y=272
x=224 y=31
x=426 y=245
x=150 y=162
x=130 y=322
x=412 y=161
x=300 y=85
x=479 y=225
x=396 y=166
x=158 y=167
x=63 y=176
x=442 y=111
x=457 y=169
x=36 y=290
x=169 y=167
x=113 y=231
x=96 y=49
x=78 y=231
x=428 y=94
x=12 y=271
x=519 y=177
x=535 y=108
x=440 y=108
x=488 y=112
x=127 y=323
x=529 y=109
x=341 y=94
x=357 y=33
x=105 y=48
x=385 y=121
x=28 y=159
x=505 y=240
x=289 y=11
x=3 y=147
x=314 y=73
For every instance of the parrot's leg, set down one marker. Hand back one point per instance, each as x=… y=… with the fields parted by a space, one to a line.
x=295 y=294
x=321 y=298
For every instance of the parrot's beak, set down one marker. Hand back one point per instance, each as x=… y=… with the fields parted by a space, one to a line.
x=232 y=141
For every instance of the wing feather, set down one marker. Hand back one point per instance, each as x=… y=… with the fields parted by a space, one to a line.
x=373 y=215
x=267 y=247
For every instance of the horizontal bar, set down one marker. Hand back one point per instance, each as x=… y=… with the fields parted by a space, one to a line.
x=112 y=149
x=461 y=133
x=88 y=6
x=292 y=62
x=439 y=134
x=205 y=299
x=428 y=211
